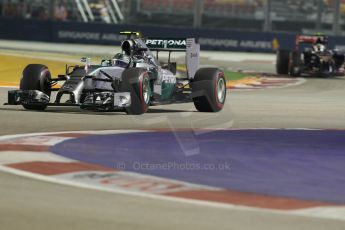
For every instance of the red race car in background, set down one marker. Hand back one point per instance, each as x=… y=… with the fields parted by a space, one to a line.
x=310 y=57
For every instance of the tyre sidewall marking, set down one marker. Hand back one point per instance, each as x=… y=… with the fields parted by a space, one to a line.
x=142 y=100
x=218 y=103
x=44 y=73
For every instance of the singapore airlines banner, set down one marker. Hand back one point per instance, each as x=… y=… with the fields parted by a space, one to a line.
x=208 y=39
x=95 y=33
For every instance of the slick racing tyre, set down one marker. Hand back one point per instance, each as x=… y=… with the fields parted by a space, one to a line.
x=36 y=77
x=295 y=64
x=282 y=65
x=137 y=82
x=209 y=90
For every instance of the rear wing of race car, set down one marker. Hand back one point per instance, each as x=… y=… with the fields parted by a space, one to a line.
x=310 y=39
x=189 y=45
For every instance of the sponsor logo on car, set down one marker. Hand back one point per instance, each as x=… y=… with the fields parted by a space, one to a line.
x=166 y=43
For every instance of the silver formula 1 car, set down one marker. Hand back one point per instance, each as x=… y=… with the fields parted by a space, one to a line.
x=131 y=81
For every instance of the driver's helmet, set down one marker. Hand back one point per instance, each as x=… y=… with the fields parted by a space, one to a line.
x=319 y=47
x=121 y=60
x=322 y=40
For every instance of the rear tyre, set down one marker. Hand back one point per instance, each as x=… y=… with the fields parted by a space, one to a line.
x=282 y=65
x=137 y=82
x=36 y=77
x=295 y=64
x=209 y=90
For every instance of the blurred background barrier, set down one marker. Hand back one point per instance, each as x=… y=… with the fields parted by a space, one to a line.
x=236 y=25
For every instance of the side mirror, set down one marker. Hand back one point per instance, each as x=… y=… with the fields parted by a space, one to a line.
x=86 y=60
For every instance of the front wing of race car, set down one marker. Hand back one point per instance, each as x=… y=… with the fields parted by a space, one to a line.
x=106 y=101
x=20 y=97
x=93 y=100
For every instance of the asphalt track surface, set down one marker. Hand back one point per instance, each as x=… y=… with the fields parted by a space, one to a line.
x=318 y=103
x=31 y=204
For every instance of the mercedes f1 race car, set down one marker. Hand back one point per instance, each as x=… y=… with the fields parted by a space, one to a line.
x=131 y=81
x=310 y=57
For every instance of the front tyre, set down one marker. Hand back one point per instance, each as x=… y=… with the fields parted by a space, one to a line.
x=328 y=69
x=295 y=64
x=36 y=77
x=282 y=64
x=209 y=90
x=137 y=82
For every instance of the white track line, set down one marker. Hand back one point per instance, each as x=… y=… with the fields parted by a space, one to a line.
x=36 y=140
x=13 y=157
x=9 y=86
x=58 y=59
